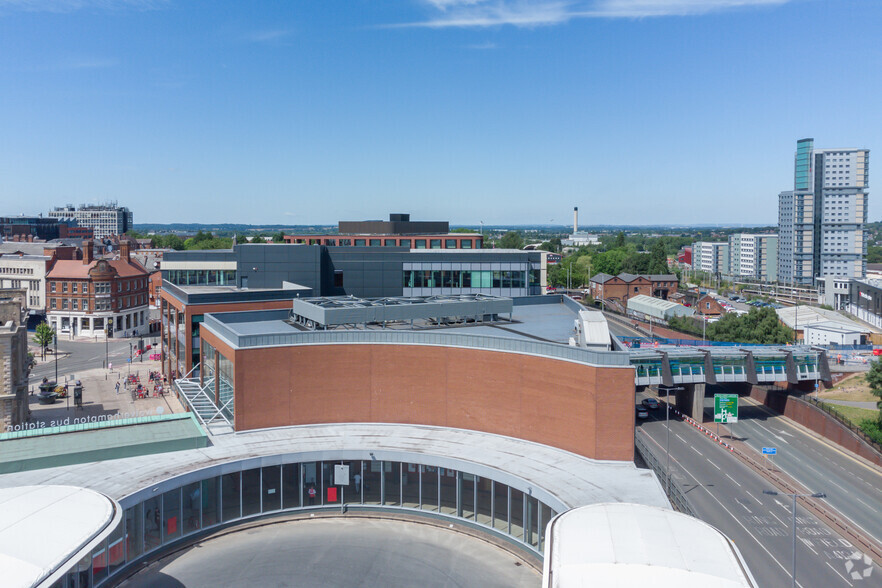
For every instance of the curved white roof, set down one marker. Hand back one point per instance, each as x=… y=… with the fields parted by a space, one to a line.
x=44 y=527
x=626 y=545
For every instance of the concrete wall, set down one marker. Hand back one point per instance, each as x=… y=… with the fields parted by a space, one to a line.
x=576 y=407
x=815 y=419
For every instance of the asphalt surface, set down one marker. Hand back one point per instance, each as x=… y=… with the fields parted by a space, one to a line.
x=853 y=488
x=80 y=355
x=729 y=495
x=344 y=552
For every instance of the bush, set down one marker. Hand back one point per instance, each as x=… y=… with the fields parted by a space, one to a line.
x=872 y=428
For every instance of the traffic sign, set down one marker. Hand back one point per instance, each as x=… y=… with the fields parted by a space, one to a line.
x=770 y=450
x=725 y=408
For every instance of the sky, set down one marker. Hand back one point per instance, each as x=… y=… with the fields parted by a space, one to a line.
x=502 y=111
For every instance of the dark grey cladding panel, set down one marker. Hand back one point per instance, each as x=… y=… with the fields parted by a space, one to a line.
x=202 y=255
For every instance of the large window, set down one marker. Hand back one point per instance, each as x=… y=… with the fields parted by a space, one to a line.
x=180 y=511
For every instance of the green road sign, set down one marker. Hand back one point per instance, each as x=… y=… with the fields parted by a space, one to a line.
x=725 y=408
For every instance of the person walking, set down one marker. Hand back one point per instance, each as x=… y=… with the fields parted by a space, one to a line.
x=117 y=388
x=312 y=495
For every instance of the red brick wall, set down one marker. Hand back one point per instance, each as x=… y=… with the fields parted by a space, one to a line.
x=815 y=419
x=579 y=408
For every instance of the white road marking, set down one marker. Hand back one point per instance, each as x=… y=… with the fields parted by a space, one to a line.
x=777 y=519
x=715 y=465
x=696 y=451
x=734 y=480
x=838 y=574
x=680 y=438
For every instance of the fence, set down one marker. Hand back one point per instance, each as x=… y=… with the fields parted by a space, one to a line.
x=677 y=497
x=831 y=410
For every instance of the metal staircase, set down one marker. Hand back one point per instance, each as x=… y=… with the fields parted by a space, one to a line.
x=199 y=398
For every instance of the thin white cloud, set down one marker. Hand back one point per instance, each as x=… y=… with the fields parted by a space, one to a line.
x=536 y=13
x=88 y=63
x=269 y=36
x=74 y=5
x=482 y=46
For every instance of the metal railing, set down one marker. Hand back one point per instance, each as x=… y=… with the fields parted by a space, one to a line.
x=677 y=497
x=831 y=410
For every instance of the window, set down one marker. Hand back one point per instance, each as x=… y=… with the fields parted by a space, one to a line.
x=73 y=288
x=450 y=243
x=338 y=279
x=359 y=242
x=435 y=244
x=420 y=244
x=389 y=243
x=375 y=242
x=52 y=287
x=53 y=304
x=75 y=304
x=64 y=287
x=404 y=243
x=64 y=304
x=85 y=305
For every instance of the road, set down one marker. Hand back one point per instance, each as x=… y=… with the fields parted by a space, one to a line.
x=81 y=355
x=729 y=495
x=852 y=487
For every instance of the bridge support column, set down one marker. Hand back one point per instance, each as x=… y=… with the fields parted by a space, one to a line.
x=690 y=400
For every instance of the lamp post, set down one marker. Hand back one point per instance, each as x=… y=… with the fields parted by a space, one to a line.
x=55 y=339
x=794 y=497
x=668 y=437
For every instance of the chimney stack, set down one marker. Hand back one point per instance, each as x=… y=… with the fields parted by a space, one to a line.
x=124 y=249
x=575 y=219
x=87 y=252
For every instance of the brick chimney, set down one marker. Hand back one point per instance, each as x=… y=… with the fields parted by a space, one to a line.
x=87 y=253
x=124 y=249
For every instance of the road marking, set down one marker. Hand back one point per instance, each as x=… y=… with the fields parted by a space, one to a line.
x=865 y=504
x=734 y=480
x=715 y=465
x=777 y=519
x=755 y=498
x=696 y=451
x=808 y=544
x=680 y=438
x=838 y=574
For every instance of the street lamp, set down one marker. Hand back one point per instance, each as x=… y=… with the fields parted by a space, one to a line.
x=794 y=497
x=668 y=436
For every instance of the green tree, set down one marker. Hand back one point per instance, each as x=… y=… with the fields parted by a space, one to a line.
x=240 y=239
x=620 y=240
x=610 y=262
x=658 y=259
x=546 y=246
x=258 y=239
x=874 y=379
x=43 y=337
x=279 y=237
x=511 y=240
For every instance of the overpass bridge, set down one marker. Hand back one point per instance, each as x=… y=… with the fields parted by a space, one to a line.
x=687 y=370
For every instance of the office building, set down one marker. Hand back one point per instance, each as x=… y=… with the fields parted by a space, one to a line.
x=821 y=221
x=398 y=231
x=711 y=258
x=103 y=219
x=753 y=256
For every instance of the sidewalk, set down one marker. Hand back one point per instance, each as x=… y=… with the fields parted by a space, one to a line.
x=100 y=398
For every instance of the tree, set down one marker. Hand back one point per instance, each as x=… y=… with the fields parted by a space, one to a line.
x=546 y=246
x=258 y=239
x=240 y=239
x=620 y=240
x=511 y=240
x=279 y=237
x=874 y=379
x=43 y=337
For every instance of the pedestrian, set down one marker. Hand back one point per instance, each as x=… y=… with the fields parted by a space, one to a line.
x=311 y=494
x=117 y=388
x=358 y=482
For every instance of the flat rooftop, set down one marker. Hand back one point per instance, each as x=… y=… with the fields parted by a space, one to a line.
x=559 y=478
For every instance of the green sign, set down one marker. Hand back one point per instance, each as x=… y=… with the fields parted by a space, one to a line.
x=725 y=408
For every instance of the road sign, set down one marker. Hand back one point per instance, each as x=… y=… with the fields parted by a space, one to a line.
x=725 y=408
x=770 y=450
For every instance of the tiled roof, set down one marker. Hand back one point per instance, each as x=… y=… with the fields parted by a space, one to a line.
x=76 y=269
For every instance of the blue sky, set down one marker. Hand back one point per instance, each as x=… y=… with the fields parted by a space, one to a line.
x=502 y=111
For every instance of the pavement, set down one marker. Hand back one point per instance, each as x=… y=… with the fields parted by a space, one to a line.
x=852 y=403
x=728 y=494
x=100 y=396
x=343 y=551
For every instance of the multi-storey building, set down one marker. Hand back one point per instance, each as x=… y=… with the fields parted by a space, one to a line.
x=103 y=219
x=753 y=256
x=398 y=231
x=821 y=221
x=24 y=266
x=88 y=296
x=710 y=257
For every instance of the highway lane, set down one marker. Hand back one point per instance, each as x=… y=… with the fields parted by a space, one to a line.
x=728 y=495
x=852 y=487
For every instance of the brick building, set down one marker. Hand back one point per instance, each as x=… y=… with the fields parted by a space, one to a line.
x=85 y=297
x=625 y=286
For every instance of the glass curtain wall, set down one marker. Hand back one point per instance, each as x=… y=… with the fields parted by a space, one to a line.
x=197 y=506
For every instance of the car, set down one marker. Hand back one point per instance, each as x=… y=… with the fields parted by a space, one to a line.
x=650 y=403
x=642 y=413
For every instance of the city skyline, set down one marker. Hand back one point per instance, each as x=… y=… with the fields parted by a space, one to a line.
x=639 y=112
